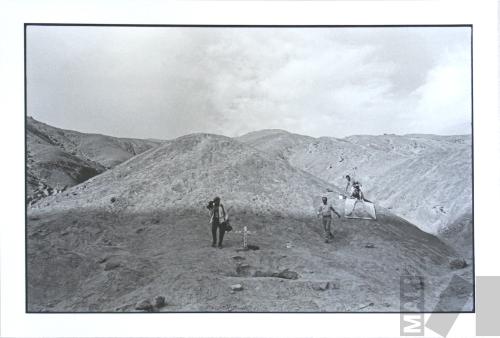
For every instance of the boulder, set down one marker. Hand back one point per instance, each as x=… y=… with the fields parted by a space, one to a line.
x=160 y=302
x=458 y=263
x=111 y=266
x=102 y=260
x=321 y=286
x=236 y=287
x=144 y=305
x=288 y=274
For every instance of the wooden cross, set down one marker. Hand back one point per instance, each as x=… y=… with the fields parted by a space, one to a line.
x=245 y=233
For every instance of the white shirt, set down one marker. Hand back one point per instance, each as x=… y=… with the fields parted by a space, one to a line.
x=324 y=209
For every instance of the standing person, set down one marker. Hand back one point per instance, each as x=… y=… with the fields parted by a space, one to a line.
x=325 y=212
x=348 y=186
x=217 y=219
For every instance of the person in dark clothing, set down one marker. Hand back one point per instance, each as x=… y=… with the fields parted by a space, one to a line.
x=356 y=191
x=217 y=219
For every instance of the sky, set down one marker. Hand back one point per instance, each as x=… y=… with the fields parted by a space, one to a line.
x=165 y=82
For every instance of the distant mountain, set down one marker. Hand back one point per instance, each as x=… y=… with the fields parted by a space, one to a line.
x=58 y=158
x=426 y=179
x=140 y=230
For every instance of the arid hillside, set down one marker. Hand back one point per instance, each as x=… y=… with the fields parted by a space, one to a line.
x=140 y=230
x=58 y=158
x=426 y=179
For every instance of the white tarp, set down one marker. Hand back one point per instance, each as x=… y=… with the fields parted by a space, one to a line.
x=355 y=208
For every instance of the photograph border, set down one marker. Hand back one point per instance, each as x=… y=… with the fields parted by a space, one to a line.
x=28 y=24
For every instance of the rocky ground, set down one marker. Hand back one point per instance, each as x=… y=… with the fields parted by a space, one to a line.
x=110 y=262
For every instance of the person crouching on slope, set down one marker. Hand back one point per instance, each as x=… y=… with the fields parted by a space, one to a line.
x=217 y=219
x=325 y=212
x=357 y=193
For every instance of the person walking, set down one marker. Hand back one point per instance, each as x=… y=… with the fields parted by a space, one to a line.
x=325 y=211
x=218 y=218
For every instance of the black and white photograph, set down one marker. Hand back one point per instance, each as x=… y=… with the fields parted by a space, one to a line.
x=255 y=169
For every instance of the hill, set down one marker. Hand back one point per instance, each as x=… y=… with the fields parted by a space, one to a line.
x=58 y=158
x=426 y=179
x=140 y=230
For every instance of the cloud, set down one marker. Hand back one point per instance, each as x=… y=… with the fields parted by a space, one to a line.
x=444 y=101
x=166 y=82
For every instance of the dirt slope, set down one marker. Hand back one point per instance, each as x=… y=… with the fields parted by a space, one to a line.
x=459 y=235
x=58 y=158
x=140 y=230
x=424 y=178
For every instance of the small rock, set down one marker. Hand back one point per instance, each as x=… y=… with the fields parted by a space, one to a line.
x=155 y=221
x=419 y=284
x=288 y=274
x=369 y=245
x=458 y=264
x=252 y=247
x=238 y=258
x=242 y=269
x=365 y=306
x=102 y=260
x=138 y=231
x=322 y=286
x=160 y=302
x=111 y=266
x=113 y=199
x=259 y=273
x=237 y=287
x=333 y=286
x=145 y=305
